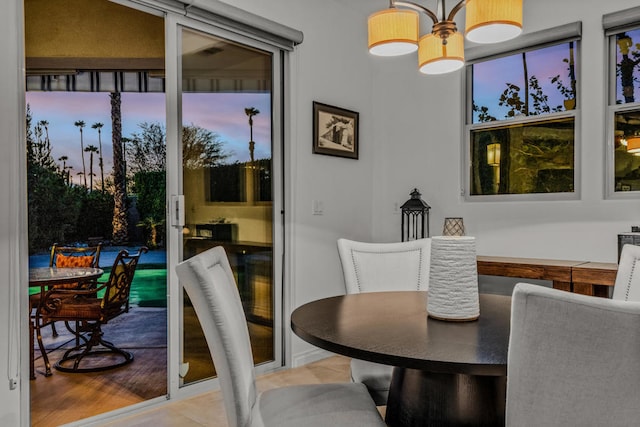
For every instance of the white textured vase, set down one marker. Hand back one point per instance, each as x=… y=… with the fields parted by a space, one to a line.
x=453 y=279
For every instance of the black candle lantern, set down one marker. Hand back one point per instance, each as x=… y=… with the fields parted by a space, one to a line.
x=415 y=217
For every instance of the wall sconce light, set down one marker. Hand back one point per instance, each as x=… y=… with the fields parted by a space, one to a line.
x=633 y=144
x=415 y=217
x=395 y=31
x=453 y=227
x=493 y=154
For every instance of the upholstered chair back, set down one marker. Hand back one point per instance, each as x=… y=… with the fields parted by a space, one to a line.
x=627 y=286
x=371 y=267
x=378 y=267
x=210 y=285
x=573 y=360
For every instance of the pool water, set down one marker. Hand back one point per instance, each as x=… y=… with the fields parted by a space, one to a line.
x=149 y=287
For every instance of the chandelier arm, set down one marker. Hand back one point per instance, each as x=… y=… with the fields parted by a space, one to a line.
x=456 y=9
x=419 y=8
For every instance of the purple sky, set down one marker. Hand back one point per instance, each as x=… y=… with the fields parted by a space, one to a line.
x=222 y=113
x=543 y=64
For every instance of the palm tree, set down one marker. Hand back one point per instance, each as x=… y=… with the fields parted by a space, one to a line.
x=63 y=159
x=68 y=174
x=119 y=222
x=526 y=83
x=251 y=111
x=152 y=226
x=91 y=149
x=98 y=126
x=125 y=140
x=45 y=125
x=80 y=124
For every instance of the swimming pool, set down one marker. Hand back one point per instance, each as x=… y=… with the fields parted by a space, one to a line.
x=149 y=287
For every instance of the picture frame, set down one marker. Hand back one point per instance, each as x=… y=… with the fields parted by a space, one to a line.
x=335 y=131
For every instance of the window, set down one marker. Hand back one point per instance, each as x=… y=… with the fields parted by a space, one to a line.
x=623 y=118
x=521 y=121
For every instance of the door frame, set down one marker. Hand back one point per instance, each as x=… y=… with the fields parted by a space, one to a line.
x=282 y=116
x=174 y=24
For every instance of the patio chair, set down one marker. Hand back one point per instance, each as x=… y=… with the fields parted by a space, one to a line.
x=573 y=360
x=370 y=267
x=67 y=257
x=88 y=310
x=210 y=284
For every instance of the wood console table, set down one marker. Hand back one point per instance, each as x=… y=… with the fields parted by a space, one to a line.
x=588 y=278
x=594 y=278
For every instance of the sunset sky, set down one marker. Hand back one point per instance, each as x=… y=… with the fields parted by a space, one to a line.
x=222 y=113
x=543 y=64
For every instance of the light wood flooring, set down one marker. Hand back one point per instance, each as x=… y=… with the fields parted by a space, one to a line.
x=67 y=397
x=208 y=409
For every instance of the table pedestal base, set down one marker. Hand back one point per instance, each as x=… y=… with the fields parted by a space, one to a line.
x=419 y=398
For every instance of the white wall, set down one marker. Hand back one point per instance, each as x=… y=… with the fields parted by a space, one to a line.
x=418 y=135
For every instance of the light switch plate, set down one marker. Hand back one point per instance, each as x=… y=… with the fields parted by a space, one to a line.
x=317 y=207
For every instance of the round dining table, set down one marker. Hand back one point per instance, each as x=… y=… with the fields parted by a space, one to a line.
x=446 y=373
x=48 y=276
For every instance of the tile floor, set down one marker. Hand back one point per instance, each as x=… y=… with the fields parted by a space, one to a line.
x=208 y=409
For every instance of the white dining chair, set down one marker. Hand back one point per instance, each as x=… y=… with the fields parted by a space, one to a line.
x=573 y=360
x=627 y=284
x=371 y=267
x=210 y=284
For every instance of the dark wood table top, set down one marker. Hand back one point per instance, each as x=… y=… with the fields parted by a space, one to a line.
x=393 y=328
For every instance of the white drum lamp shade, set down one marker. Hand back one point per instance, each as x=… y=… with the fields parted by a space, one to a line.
x=493 y=21
x=393 y=32
x=436 y=57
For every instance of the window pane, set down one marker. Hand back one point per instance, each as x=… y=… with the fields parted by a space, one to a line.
x=227 y=103
x=627 y=74
x=523 y=158
x=627 y=149
x=500 y=92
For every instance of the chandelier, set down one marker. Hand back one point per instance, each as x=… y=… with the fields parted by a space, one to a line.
x=395 y=31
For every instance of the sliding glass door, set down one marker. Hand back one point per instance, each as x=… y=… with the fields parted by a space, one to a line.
x=184 y=110
x=95 y=127
x=229 y=176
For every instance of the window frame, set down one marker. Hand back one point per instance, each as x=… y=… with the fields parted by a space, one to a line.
x=612 y=108
x=530 y=42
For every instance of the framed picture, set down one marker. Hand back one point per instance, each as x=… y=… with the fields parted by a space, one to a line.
x=335 y=131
